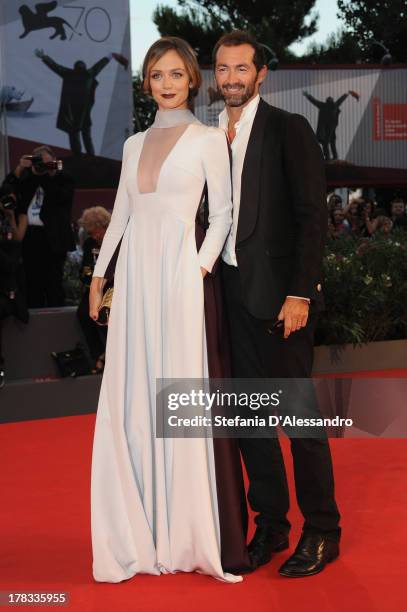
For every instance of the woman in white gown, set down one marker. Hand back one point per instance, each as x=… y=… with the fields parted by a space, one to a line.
x=154 y=504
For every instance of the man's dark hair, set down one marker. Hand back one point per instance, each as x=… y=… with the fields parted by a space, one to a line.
x=240 y=37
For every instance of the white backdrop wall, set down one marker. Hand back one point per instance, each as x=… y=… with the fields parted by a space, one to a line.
x=92 y=29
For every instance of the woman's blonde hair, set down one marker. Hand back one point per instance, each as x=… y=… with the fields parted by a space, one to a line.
x=96 y=216
x=186 y=53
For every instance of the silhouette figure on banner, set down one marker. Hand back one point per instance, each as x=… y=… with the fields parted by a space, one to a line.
x=40 y=20
x=78 y=97
x=328 y=118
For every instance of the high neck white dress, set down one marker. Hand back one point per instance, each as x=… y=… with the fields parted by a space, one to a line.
x=154 y=501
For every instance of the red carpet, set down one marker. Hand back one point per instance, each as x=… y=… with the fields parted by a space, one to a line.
x=45 y=533
x=393 y=373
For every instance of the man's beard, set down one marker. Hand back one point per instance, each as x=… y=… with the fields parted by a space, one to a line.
x=238 y=98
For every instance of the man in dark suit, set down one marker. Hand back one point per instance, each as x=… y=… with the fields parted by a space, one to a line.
x=45 y=204
x=272 y=276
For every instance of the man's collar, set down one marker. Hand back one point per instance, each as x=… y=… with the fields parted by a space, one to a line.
x=247 y=113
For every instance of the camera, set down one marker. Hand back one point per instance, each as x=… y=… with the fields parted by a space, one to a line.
x=86 y=275
x=87 y=271
x=7 y=202
x=40 y=166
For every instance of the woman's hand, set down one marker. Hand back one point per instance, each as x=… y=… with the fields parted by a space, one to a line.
x=95 y=299
x=95 y=296
x=203 y=272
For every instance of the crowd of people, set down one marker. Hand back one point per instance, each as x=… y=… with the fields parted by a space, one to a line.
x=36 y=233
x=363 y=218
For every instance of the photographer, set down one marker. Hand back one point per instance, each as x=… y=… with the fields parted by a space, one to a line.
x=45 y=194
x=95 y=221
x=12 y=298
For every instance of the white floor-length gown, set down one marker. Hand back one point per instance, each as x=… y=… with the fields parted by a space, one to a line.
x=154 y=501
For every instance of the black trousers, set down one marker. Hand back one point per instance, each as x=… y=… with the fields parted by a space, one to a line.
x=43 y=269
x=6 y=309
x=257 y=354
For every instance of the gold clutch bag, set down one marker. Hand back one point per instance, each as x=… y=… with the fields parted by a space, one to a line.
x=104 y=310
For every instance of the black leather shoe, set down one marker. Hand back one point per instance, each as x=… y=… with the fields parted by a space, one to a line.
x=310 y=557
x=264 y=543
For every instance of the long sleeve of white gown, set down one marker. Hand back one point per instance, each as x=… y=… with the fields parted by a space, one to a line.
x=118 y=221
x=216 y=164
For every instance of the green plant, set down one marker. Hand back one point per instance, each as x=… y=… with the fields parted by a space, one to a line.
x=144 y=107
x=365 y=290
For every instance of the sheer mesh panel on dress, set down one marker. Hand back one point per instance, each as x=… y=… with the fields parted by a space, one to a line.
x=158 y=144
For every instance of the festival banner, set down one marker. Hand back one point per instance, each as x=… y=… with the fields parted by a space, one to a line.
x=66 y=79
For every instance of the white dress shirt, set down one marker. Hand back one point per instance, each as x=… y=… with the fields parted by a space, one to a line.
x=243 y=129
x=239 y=145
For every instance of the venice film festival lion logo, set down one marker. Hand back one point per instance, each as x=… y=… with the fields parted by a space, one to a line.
x=40 y=20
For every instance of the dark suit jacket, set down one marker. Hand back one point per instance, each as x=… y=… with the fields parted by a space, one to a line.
x=283 y=213
x=57 y=206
